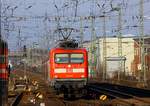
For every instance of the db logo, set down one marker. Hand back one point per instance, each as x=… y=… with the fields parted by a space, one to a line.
x=69 y=70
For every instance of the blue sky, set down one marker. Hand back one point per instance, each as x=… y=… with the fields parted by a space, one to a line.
x=29 y=18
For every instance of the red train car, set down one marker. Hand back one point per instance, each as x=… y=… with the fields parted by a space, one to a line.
x=3 y=73
x=68 y=68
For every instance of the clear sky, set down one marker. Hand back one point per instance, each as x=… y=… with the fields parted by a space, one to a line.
x=35 y=20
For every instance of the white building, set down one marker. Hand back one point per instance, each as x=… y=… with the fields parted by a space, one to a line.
x=35 y=56
x=112 y=52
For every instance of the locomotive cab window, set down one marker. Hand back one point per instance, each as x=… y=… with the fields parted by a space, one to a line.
x=62 y=58
x=2 y=59
x=76 y=58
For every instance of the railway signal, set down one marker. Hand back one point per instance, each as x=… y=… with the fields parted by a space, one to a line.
x=24 y=51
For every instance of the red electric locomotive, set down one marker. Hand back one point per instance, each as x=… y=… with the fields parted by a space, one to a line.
x=68 y=68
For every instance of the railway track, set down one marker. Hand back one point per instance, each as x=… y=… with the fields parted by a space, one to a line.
x=114 y=92
x=48 y=96
x=14 y=98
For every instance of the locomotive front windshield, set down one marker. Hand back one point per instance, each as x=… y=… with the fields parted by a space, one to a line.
x=62 y=58
x=76 y=58
x=69 y=58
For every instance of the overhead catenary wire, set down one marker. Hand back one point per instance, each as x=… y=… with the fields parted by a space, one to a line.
x=64 y=20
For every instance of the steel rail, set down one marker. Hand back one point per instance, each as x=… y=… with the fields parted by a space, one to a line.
x=17 y=99
x=105 y=92
x=135 y=97
x=113 y=93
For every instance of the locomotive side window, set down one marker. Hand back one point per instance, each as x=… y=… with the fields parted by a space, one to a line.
x=62 y=58
x=76 y=58
x=2 y=59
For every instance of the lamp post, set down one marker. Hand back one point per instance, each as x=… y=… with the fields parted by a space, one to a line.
x=119 y=10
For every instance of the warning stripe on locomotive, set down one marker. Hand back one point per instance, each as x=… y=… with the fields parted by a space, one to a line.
x=3 y=73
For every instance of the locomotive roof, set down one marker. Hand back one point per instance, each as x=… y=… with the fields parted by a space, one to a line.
x=68 y=48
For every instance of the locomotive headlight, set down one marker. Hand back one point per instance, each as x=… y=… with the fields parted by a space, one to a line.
x=56 y=76
x=82 y=76
x=69 y=66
